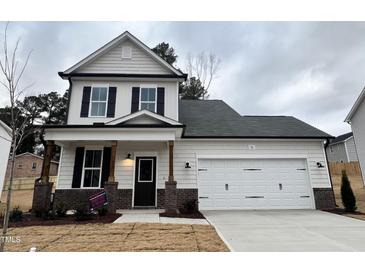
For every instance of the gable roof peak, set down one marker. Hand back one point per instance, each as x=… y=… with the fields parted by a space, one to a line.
x=125 y=35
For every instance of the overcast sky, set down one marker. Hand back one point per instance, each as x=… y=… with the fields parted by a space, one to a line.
x=313 y=71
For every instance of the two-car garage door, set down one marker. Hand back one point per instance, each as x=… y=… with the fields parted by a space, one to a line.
x=253 y=184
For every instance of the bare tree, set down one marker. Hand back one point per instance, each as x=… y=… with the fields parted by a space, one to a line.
x=204 y=67
x=12 y=72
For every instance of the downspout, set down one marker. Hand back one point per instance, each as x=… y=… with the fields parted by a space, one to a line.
x=69 y=97
x=329 y=170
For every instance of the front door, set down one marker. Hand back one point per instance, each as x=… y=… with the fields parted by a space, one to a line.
x=145 y=181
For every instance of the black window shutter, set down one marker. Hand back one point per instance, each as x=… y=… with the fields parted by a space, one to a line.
x=85 y=102
x=106 y=162
x=111 y=101
x=79 y=162
x=135 y=99
x=161 y=101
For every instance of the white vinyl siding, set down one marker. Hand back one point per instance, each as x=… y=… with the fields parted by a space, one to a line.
x=123 y=100
x=351 y=150
x=112 y=62
x=188 y=150
x=358 y=129
x=338 y=153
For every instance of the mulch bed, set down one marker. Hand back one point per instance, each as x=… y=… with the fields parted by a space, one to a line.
x=32 y=220
x=182 y=214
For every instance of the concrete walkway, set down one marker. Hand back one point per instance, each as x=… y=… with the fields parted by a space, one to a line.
x=152 y=216
x=288 y=230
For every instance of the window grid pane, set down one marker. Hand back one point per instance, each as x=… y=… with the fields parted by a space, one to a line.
x=92 y=168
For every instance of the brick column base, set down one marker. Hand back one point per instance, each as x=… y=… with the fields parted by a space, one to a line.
x=42 y=196
x=170 y=197
x=111 y=189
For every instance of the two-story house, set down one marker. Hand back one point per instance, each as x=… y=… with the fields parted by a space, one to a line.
x=356 y=118
x=126 y=126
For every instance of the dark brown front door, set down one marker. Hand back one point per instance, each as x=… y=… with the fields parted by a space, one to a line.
x=145 y=181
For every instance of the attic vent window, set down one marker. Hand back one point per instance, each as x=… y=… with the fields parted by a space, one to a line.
x=126 y=52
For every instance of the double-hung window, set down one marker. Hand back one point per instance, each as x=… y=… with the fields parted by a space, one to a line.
x=99 y=99
x=148 y=99
x=92 y=168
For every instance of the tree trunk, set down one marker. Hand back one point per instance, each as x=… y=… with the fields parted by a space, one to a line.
x=8 y=199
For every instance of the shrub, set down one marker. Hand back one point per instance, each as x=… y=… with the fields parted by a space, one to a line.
x=103 y=211
x=16 y=215
x=82 y=214
x=190 y=206
x=45 y=214
x=347 y=195
x=61 y=210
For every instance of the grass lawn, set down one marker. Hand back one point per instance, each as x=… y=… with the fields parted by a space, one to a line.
x=359 y=192
x=117 y=237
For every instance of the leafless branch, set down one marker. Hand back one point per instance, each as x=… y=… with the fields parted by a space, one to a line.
x=204 y=67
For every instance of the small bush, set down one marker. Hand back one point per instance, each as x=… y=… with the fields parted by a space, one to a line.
x=190 y=206
x=347 y=195
x=45 y=214
x=82 y=214
x=103 y=211
x=16 y=215
x=61 y=210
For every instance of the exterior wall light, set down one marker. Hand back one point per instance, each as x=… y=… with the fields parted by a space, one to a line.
x=320 y=165
x=128 y=156
x=187 y=165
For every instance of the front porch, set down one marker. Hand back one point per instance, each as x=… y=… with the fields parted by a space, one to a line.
x=134 y=174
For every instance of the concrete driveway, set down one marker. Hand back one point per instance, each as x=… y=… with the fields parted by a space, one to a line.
x=288 y=230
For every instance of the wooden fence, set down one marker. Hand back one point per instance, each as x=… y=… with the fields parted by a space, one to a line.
x=352 y=169
x=27 y=183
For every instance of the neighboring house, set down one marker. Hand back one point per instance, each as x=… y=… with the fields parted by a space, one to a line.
x=29 y=165
x=5 y=143
x=342 y=149
x=127 y=126
x=356 y=118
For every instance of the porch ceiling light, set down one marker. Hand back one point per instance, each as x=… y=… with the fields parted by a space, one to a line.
x=128 y=156
x=187 y=165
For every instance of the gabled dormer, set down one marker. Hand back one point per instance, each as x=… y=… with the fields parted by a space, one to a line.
x=122 y=77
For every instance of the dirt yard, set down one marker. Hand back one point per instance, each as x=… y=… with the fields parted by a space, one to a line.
x=117 y=237
x=358 y=189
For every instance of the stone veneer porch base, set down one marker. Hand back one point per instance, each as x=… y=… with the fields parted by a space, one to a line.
x=78 y=198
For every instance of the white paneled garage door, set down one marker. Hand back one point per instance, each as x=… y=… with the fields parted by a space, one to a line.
x=254 y=184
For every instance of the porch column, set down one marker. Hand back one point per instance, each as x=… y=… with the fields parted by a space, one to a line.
x=43 y=188
x=113 y=154
x=170 y=185
x=171 y=161
x=50 y=147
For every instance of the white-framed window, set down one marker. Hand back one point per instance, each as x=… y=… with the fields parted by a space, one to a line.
x=126 y=52
x=98 y=101
x=148 y=98
x=92 y=168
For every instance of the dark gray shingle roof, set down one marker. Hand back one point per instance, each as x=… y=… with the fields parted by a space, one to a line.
x=341 y=138
x=214 y=118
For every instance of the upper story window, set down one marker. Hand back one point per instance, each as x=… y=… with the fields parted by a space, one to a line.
x=98 y=101
x=126 y=52
x=34 y=165
x=148 y=99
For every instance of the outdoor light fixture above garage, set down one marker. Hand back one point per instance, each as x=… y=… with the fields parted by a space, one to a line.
x=187 y=165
